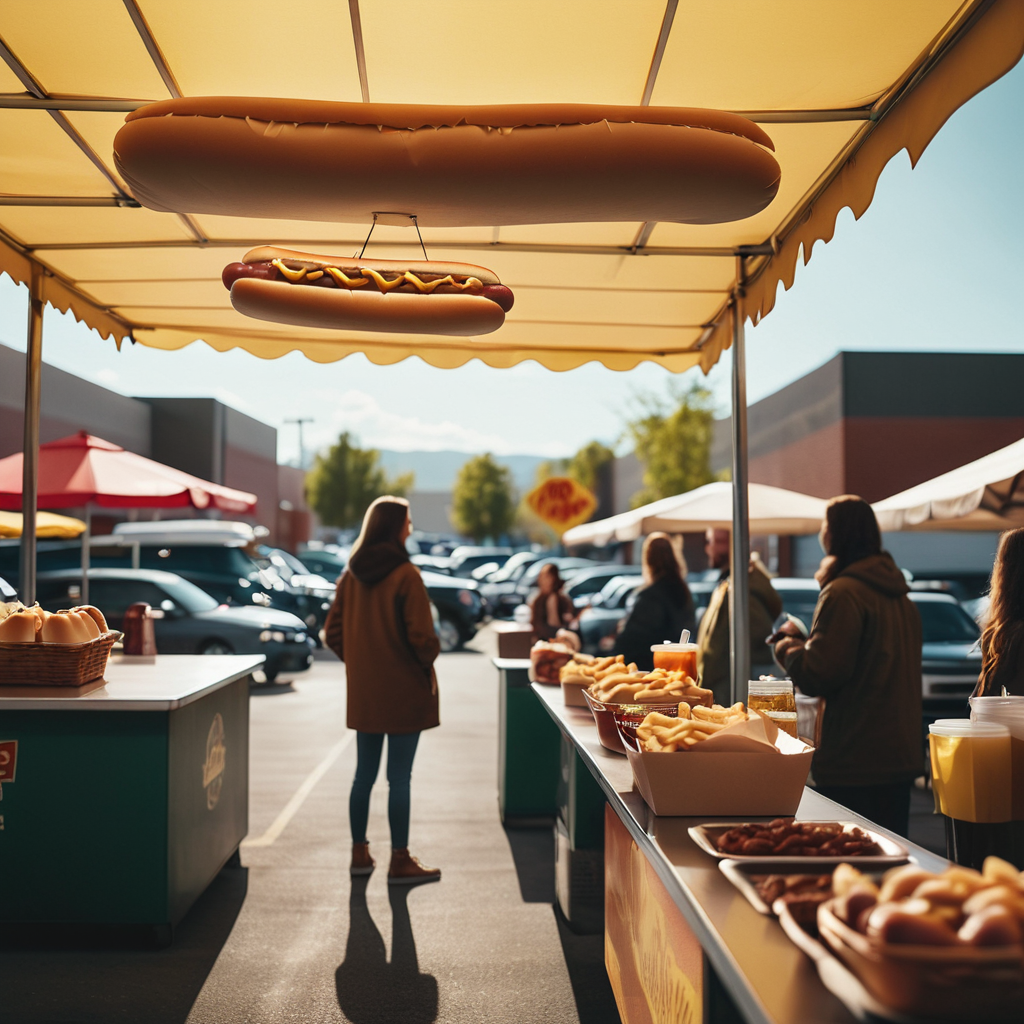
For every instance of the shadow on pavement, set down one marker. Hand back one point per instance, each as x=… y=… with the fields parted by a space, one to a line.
x=271 y=689
x=370 y=989
x=533 y=852
x=94 y=976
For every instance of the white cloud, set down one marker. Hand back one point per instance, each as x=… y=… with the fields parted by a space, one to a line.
x=361 y=414
x=106 y=376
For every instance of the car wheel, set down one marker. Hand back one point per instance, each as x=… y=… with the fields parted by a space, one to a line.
x=448 y=634
x=216 y=647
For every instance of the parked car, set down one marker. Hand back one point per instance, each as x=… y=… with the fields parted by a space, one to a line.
x=465 y=559
x=329 y=564
x=460 y=609
x=951 y=653
x=599 y=622
x=191 y=622
x=500 y=589
x=431 y=563
x=587 y=583
x=526 y=585
x=318 y=590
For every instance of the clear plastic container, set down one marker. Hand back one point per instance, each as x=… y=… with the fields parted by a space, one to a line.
x=676 y=658
x=971 y=769
x=1008 y=711
x=774 y=698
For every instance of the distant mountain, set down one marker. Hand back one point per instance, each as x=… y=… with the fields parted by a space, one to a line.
x=436 y=471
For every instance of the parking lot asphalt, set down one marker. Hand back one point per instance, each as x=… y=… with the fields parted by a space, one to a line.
x=288 y=937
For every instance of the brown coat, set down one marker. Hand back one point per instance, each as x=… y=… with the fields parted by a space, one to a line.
x=382 y=628
x=713 y=639
x=864 y=657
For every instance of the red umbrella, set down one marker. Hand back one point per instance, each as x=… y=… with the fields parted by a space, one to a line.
x=82 y=469
x=85 y=470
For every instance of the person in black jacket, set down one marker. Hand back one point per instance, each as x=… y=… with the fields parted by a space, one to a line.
x=664 y=607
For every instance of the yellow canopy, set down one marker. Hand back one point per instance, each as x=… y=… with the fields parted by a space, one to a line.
x=840 y=87
x=49 y=525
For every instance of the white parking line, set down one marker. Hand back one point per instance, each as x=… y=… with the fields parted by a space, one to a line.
x=299 y=798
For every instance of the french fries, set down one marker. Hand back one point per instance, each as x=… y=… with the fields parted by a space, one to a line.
x=623 y=684
x=661 y=734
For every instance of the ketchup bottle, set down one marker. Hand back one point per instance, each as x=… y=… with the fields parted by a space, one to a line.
x=139 y=638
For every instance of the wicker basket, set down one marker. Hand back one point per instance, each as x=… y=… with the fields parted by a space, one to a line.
x=42 y=664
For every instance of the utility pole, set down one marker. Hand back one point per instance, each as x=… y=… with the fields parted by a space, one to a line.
x=300 y=420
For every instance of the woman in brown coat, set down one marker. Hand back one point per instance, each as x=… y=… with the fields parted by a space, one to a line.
x=381 y=626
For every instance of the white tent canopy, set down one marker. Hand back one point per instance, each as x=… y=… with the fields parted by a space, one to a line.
x=987 y=494
x=772 y=510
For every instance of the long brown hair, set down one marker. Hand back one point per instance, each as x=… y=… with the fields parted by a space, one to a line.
x=660 y=562
x=383 y=523
x=853 y=534
x=1006 y=605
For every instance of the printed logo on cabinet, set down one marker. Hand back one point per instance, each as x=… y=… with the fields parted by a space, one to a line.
x=8 y=760
x=216 y=758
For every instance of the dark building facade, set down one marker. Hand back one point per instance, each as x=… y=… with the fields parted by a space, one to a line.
x=876 y=423
x=200 y=436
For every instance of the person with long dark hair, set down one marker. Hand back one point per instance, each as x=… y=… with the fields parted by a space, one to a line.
x=664 y=605
x=1002 y=639
x=863 y=656
x=551 y=610
x=381 y=626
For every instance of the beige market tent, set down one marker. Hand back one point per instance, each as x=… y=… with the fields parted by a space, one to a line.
x=840 y=87
x=772 y=510
x=987 y=494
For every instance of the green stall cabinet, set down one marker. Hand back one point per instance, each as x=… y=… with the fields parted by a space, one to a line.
x=529 y=748
x=119 y=805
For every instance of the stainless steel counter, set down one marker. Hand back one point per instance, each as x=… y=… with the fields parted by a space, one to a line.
x=163 y=682
x=767 y=977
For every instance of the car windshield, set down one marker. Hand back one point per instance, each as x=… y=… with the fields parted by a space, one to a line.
x=514 y=567
x=189 y=596
x=946 y=622
x=199 y=558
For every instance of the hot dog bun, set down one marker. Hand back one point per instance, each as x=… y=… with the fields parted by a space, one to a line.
x=95 y=614
x=18 y=628
x=451 y=166
x=64 y=627
x=463 y=313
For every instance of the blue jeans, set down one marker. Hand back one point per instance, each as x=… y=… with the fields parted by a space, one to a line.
x=401 y=751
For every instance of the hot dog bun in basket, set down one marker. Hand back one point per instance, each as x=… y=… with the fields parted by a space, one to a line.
x=356 y=294
x=451 y=166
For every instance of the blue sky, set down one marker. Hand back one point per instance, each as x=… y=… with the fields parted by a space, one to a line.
x=934 y=264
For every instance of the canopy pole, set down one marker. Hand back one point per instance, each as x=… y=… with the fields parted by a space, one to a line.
x=739 y=590
x=30 y=437
x=86 y=553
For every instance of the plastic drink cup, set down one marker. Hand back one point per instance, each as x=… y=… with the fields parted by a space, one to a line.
x=1008 y=711
x=971 y=769
x=774 y=698
x=676 y=658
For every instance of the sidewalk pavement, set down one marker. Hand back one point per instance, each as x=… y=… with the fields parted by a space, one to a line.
x=288 y=937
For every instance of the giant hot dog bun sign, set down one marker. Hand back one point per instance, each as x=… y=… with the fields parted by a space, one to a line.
x=450 y=166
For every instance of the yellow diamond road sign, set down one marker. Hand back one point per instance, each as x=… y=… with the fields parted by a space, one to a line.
x=562 y=503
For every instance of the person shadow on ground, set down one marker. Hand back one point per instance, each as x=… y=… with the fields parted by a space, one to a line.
x=371 y=990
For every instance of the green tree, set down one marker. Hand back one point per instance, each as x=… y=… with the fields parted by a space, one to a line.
x=673 y=441
x=345 y=479
x=586 y=466
x=482 y=501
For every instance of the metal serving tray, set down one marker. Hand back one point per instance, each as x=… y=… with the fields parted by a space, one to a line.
x=892 y=852
x=741 y=875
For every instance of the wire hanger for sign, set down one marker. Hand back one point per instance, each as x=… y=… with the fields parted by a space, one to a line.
x=397 y=219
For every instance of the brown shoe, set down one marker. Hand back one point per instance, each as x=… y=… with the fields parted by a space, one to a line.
x=407 y=870
x=362 y=862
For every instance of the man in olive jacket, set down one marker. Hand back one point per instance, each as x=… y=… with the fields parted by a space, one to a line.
x=714 y=656
x=864 y=657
